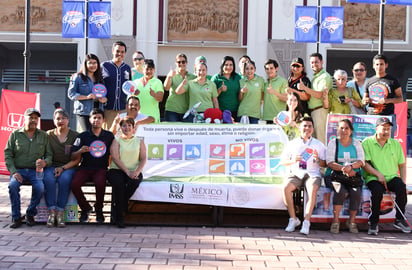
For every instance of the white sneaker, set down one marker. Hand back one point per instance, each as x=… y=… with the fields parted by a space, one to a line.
x=293 y=223
x=305 y=227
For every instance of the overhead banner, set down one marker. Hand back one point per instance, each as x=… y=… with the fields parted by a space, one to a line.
x=388 y=2
x=99 y=19
x=306 y=19
x=331 y=27
x=73 y=16
x=221 y=165
x=12 y=107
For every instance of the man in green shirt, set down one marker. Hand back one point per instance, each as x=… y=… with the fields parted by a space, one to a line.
x=321 y=85
x=274 y=95
x=384 y=157
x=27 y=148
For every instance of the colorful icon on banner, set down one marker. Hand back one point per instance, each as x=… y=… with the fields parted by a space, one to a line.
x=257 y=150
x=98 y=148
x=99 y=90
x=237 y=167
x=174 y=151
x=237 y=150
x=275 y=149
x=155 y=151
x=283 y=118
x=192 y=151
x=217 y=166
x=217 y=151
x=276 y=166
x=129 y=87
x=258 y=166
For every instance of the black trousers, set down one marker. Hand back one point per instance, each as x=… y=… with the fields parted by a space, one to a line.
x=123 y=187
x=377 y=189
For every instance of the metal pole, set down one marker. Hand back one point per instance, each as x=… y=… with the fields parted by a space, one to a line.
x=86 y=27
x=318 y=25
x=26 y=52
x=381 y=26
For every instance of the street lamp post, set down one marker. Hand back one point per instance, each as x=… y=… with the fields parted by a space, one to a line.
x=26 y=52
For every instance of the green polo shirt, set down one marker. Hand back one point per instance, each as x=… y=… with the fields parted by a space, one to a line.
x=229 y=99
x=385 y=159
x=272 y=105
x=22 y=152
x=203 y=93
x=148 y=104
x=178 y=103
x=319 y=81
x=250 y=104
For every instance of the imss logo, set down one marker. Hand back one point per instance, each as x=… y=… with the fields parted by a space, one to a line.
x=176 y=191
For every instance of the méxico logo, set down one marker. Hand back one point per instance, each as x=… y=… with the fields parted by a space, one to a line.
x=305 y=23
x=73 y=17
x=99 y=18
x=331 y=23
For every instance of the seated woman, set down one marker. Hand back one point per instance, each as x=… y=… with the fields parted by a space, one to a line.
x=61 y=172
x=295 y=111
x=125 y=174
x=341 y=98
x=200 y=90
x=350 y=158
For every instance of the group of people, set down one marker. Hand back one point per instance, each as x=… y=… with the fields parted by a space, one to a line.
x=64 y=160
x=379 y=156
x=108 y=124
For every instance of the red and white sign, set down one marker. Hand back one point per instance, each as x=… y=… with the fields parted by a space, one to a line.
x=12 y=107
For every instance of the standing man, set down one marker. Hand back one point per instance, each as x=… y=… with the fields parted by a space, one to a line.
x=384 y=157
x=382 y=91
x=274 y=95
x=115 y=73
x=27 y=148
x=132 y=110
x=93 y=147
x=304 y=156
x=321 y=85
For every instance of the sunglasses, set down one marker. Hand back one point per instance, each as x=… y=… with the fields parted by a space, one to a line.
x=296 y=66
x=359 y=70
x=181 y=62
x=138 y=58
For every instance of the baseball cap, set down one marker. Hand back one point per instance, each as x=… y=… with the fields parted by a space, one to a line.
x=297 y=60
x=383 y=121
x=200 y=59
x=30 y=111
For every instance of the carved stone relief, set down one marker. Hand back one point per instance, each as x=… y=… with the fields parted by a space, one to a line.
x=203 y=20
x=283 y=52
x=45 y=15
x=362 y=21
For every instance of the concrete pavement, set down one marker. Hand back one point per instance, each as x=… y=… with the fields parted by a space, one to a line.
x=94 y=246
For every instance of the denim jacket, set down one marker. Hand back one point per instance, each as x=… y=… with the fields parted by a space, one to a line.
x=79 y=87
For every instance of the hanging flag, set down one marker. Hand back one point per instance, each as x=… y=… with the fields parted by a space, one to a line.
x=331 y=27
x=306 y=20
x=99 y=19
x=73 y=19
x=388 y=2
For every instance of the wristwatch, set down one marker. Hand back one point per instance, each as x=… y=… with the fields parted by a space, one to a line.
x=63 y=168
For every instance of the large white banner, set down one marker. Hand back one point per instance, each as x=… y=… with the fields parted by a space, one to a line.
x=223 y=165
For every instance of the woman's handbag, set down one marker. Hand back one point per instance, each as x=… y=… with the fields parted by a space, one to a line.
x=338 y=176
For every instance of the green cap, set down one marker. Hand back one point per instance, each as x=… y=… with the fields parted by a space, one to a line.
x=200 y=59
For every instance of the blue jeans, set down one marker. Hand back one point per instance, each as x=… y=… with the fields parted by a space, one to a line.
x=173 y=116
x=63 y=181
x=29 y=175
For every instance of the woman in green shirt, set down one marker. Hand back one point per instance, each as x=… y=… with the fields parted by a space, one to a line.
x=341 y=98
x=228 y=87
x=125 y=174
x=250 y=94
